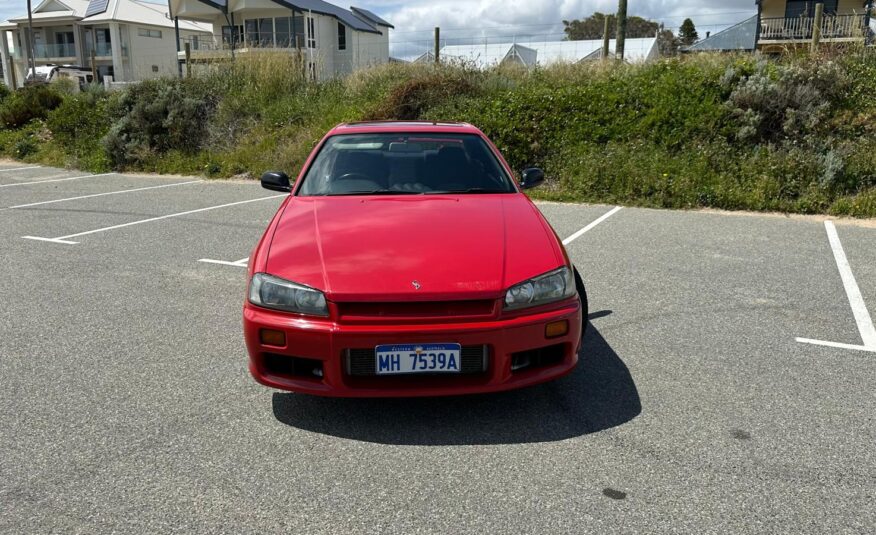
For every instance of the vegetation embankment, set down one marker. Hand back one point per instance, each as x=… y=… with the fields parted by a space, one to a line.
x=733 y=132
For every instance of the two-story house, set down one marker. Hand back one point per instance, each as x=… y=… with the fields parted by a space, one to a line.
x=127 y=39
x=785 y=23
x=331 y=40
x=782 y=25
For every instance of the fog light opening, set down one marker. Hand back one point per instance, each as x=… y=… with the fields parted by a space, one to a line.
x=271 y=337
x=556 y=329
x=520 y=361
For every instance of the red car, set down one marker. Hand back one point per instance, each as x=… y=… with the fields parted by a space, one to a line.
x=407 y=262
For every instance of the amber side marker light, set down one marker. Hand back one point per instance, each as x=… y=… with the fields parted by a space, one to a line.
x=270 y=337
x=556 y=328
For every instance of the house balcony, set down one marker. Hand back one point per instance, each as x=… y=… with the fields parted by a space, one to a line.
x=205 y=49
x=49 y=53
x=834 y=28
x=101 y=50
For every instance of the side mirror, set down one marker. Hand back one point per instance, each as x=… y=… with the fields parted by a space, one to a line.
x=532 y=177
x=276 y=181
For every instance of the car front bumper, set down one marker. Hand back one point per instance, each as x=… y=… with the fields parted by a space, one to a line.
x=324 y=345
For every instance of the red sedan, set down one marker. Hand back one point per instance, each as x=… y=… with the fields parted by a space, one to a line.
x=407 y=262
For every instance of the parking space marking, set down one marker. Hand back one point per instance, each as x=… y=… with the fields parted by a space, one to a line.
x=53 y=180
x=20 y=168
x=66 y=240
x=100 y=195
x=589 y=227
x=856 y=300
x=242 y=263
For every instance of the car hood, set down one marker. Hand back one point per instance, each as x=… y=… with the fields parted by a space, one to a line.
x=436 y=247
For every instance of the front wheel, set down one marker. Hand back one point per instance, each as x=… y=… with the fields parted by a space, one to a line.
x=582 y=294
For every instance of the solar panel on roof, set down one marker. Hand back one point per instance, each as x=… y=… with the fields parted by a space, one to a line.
x=95 y=7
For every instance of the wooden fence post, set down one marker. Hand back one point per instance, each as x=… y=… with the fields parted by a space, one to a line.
x=816 y=26
x=437 y=44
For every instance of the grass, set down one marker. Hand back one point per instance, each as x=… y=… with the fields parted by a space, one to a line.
x=735 y=132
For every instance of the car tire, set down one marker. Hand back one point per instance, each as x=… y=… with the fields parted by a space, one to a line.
x=582 y=294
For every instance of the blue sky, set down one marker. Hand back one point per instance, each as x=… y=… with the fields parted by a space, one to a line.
x=484 y=19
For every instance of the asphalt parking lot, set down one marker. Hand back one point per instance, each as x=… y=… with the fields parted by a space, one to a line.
x=726 y=385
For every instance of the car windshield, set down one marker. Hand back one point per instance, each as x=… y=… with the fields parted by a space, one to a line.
x=405 y=164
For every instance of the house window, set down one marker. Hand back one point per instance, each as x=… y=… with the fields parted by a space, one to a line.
x=283 y=32
x=194 y=41
x=231 y=34
x=260 y=32
x=342 y=37
x=806 y=8
x=143 y=32
x=298 y=23
x=311 y=32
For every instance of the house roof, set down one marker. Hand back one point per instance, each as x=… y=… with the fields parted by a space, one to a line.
x=369 y=16
x=741 y=36
x=361 y=20
x=97 y=11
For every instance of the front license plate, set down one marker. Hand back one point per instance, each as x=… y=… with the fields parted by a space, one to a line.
x=417 y=358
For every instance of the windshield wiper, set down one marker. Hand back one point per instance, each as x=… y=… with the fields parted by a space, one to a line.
x=470 y=190
x=375 y=192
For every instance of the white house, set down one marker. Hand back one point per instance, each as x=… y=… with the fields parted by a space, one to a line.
x=127 y=39
x=333 y=41
x=542 y=53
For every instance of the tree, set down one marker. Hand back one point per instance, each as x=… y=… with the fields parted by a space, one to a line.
x=592 y=26
x=687 y=34
x=667 y=43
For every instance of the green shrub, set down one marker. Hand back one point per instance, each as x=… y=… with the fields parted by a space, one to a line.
x=784 y=102
x=156 y=116
x=78 y=125
x=27 y=104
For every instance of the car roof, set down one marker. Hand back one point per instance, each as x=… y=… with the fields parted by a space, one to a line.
x=372 y=127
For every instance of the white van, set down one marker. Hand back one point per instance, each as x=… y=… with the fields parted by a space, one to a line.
x=44 y=74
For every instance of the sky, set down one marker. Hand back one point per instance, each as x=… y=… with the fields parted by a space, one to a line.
x=477 y=21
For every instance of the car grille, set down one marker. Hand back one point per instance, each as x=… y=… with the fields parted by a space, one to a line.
x=352 y=312
x=361 y=363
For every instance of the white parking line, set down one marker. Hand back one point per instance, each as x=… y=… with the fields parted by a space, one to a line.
x=242 y=263
x=20 y=168
x=581 y=232
x=100 y=195
x=65 y=239
x=856 y=300
x=53 y=180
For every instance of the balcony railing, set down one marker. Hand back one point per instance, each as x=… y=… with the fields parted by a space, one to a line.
x=100 y=50
x=800 y=28
x=67 y=50
x=202 y=43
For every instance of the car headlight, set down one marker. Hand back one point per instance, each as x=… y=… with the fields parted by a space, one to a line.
x=273 y=292
x=552 y=286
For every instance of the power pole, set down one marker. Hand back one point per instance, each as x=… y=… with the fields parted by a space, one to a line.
x=605 y=38
x=621 y=29
x=30 y=54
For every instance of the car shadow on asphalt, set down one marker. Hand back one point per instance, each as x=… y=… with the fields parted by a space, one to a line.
x=598 y=395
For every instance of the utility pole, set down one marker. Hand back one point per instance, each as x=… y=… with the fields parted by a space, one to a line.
x=437 y=45
x=30 y=54
x=816 y=26
x=621 y=34
x=605 y=38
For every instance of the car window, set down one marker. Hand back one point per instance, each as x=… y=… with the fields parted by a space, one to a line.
x=393 y=163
